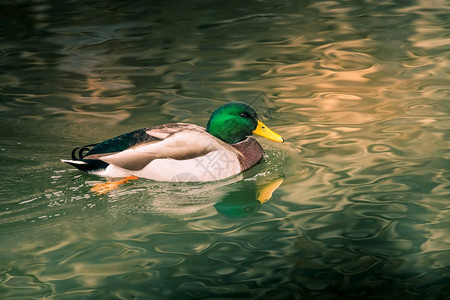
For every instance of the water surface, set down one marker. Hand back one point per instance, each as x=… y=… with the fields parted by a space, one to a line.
x=359 y=90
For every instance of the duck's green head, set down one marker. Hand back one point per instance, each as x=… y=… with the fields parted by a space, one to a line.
x=234 y=121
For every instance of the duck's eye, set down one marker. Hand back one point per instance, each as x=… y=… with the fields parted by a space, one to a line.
x=244 y=115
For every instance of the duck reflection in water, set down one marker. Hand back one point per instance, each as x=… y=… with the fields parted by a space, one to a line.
x=247 y=201
x=234 y=198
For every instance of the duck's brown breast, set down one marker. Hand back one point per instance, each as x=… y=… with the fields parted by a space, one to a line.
x=251 y=153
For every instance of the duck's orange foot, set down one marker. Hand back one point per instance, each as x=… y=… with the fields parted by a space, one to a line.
x=103 y=188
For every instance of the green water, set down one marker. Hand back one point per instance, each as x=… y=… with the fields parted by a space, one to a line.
x=359 y=90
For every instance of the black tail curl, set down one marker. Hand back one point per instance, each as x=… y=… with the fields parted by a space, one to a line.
x=80 y=152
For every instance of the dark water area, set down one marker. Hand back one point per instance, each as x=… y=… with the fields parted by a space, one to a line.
x=360 y=201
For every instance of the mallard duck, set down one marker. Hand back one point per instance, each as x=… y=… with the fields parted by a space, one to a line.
x=181 y=152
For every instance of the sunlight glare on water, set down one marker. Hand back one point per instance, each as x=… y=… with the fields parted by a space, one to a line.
x=359 y=192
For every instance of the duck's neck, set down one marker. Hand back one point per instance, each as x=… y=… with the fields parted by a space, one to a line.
x=223 y=133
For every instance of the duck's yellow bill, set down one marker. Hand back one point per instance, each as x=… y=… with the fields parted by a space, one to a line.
x=264 y=131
